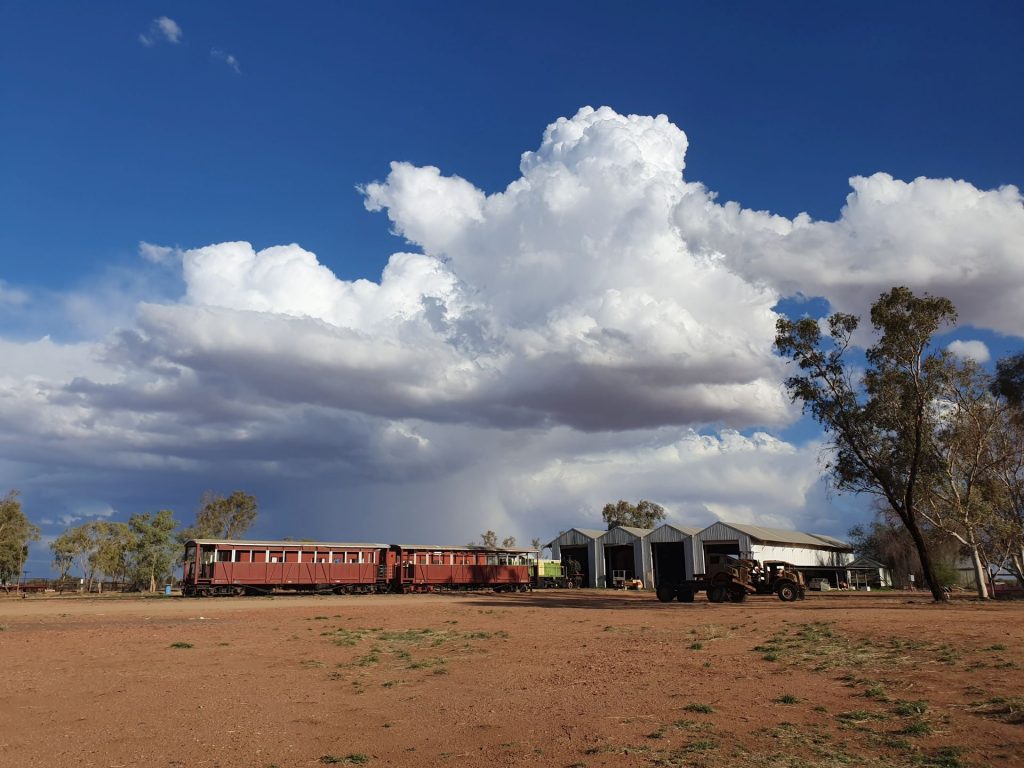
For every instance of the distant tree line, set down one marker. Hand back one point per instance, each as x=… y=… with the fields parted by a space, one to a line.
x=140 y=553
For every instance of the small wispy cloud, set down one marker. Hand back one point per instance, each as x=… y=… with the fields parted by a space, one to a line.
x=227 y=58
x=163 y=28
x=158 y=254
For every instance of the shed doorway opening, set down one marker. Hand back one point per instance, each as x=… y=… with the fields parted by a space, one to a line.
x=720 y=548
x=669 y=562
x=579 y=554
x=618 y=564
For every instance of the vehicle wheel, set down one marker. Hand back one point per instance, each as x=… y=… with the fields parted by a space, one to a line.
x=787 y=592
x=738 y=595
x=717 y=593
x=685 y=595
x=665 y=593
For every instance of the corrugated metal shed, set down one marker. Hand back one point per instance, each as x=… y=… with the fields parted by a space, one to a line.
x=583 y=537
x=669 y=532
x=803 y=549
x=832 y=542
x=671 y=547
x=576 y=537
x=624 y=534
x=628 y=536
x=782 y=536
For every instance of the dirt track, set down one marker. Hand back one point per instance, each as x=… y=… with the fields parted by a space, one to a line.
x=560 y=679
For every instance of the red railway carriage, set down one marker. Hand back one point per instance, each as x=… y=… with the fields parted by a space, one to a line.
x=219 y=567
x=423 y=568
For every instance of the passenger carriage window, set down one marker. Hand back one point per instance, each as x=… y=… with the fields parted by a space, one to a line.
x=277 y=557
x=223 y=555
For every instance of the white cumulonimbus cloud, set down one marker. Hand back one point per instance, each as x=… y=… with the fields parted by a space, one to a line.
x=531 y=353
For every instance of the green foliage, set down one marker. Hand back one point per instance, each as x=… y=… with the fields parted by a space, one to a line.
x=882 y=424
x=153 y=548
x=66 y=549
x=112 y=545
x=15 y=534
x=489 y=538
x=946 y=573
x=643 y=514
x=222 y=517
x=1009 y=380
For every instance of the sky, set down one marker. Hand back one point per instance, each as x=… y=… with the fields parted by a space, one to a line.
x=411 y=271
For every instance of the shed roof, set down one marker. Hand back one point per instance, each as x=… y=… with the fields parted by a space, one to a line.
x=783 y=536
x=638 y=532
x=587 y=533
x=625 y=535
x=866 y=562
x=670 y=532
x=688 y=530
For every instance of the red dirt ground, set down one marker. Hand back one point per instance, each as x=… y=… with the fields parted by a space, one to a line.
x=561 y=678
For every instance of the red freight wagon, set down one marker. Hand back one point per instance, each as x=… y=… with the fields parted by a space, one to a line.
x=216 y=567
x=423 y=568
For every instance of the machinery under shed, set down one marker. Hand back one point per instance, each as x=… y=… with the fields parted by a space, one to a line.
x=581 y=545
x=814 y=555
x=627 y=556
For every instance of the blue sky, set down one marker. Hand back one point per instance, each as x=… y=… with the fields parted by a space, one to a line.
x=108 y=142
x=263 y=122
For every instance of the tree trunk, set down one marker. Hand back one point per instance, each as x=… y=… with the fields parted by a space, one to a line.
x=938 y=593
x=980 y=573
x=1018 y=567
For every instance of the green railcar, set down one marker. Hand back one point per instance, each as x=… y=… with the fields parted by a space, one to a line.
x=548 y=574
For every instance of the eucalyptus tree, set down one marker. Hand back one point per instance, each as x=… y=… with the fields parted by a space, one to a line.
x=962 y=494
x=222 y=517
x=881 y=421
x=643 y=514
x=16 y=531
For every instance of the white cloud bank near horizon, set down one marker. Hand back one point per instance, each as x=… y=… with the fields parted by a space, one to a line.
x=534 y=353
